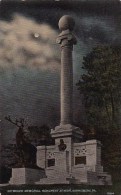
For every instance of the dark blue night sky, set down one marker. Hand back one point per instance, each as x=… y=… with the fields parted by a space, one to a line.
x=30 y=58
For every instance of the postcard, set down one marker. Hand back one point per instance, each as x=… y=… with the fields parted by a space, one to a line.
x=60 y=97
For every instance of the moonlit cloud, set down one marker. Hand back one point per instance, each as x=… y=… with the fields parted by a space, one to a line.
x=24 y=42
x=29 y=68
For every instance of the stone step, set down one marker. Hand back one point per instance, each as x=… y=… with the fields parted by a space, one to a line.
x=55 y=173
x=53 y=181
x=56 y=177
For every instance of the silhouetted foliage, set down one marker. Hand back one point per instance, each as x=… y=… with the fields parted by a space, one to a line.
x=5 y=174
x=41 y=135
x=100 y=87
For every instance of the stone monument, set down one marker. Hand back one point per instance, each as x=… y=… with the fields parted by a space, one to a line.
x=25 y=171
x=70 y=161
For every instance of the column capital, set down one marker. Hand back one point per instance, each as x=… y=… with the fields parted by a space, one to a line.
x=66 y=38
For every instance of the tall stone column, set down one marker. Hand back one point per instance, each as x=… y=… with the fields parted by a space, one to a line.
x=66 y=39
x=66 y=130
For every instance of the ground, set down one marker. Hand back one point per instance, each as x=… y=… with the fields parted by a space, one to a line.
x=63 y=189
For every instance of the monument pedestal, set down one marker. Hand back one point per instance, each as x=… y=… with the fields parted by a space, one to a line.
x=26 y=176
x=79 y=163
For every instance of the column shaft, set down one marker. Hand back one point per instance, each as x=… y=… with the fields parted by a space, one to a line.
x=66 y=85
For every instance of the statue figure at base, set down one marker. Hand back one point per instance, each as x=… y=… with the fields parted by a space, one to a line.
x=25 y=151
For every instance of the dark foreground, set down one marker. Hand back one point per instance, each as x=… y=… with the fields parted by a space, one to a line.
x=61 y=189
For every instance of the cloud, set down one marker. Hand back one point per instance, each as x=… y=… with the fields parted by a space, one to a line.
x=24 y=42
x=29 y=72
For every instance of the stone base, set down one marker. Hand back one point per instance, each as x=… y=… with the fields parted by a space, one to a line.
x=54 y=177
x=83 y=177
x=67 y=130
x=26 y=176
x=92 y=178
x=79 y=163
